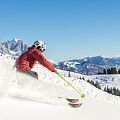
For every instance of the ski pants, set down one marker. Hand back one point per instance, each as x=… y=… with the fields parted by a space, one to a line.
x=29 y=72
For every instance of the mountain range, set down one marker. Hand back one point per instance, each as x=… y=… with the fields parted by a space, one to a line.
x=88 y=66
x=14 y=47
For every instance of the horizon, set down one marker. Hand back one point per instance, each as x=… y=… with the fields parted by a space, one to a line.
x=97 y=55
x=71 y=29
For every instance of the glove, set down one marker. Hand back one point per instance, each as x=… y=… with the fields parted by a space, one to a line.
x=56 y=72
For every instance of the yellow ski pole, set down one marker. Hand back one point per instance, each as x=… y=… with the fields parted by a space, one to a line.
x=81 y=94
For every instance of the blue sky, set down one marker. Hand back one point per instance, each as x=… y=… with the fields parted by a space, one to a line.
x=71 y=28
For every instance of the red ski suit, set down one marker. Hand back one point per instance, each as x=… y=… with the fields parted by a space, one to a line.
x=28 y=59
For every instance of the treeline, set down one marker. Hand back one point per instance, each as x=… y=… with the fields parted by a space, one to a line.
x=112 y=90
x=110 y=71
x=96 y=84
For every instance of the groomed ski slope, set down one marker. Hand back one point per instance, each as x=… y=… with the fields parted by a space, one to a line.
x=97 y=105
x=92 y=109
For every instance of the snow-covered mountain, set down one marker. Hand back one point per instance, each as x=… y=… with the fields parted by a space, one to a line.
x=14 y=47
x=90 y=65
x=3 y=49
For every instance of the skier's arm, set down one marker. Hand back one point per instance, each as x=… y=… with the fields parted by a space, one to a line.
x=41 y=59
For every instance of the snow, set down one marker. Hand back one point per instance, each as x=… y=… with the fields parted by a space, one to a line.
x=91 y=65
x=12 y=109
x=15 y=40
x=97 y=105
x=107 y=80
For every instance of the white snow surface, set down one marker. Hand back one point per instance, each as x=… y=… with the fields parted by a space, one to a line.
x=97 y=105
x=112 y=80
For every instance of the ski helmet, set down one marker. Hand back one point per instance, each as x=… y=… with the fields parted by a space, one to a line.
x=40 y=45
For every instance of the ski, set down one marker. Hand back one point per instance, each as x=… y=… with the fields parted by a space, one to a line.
x=75 y=105
x=74 y=102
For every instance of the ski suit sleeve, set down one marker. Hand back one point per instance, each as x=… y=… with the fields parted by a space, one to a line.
x=41 y=59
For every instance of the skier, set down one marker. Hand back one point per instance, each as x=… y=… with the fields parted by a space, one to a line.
x=27 y=60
